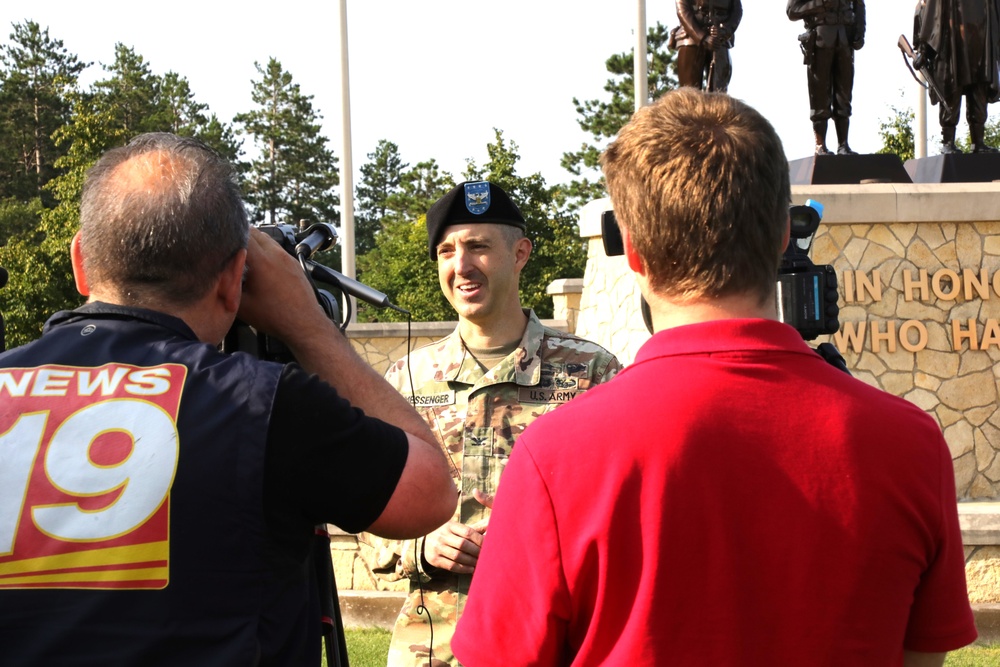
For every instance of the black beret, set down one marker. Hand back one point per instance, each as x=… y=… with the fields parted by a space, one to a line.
x=471 y=201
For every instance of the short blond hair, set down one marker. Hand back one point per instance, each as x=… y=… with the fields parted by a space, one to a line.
x=700 y=181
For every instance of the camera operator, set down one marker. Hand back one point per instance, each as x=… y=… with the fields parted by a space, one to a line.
x=157 y=497
x=736 y=500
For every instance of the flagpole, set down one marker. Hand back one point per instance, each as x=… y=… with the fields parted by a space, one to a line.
x=640 y=75
x=920 y=138
x=347 y=164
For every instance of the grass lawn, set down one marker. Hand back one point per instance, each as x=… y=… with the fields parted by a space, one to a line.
x=370 y=648
x=974 y=656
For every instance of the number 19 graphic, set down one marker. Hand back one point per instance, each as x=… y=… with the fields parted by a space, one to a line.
x=84 y=491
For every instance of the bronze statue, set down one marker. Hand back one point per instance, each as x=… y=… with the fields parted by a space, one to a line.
x=957 y=44
x=835 y=29
x=703 y=40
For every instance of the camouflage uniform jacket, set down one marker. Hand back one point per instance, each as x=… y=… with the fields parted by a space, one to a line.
x=476 y=416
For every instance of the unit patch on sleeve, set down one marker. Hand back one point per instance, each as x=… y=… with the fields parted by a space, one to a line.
x=556 y=385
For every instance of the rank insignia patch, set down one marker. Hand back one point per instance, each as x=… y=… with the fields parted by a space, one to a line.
x=477 y=197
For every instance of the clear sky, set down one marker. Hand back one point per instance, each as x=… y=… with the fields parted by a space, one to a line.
x=436 y=77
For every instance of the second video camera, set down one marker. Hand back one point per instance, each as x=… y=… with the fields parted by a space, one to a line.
x=806 y=293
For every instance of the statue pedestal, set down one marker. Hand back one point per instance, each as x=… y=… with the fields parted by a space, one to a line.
x=955 y=168
x=847 y=169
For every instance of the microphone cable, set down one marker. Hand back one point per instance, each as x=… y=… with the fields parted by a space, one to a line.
x=417 y=555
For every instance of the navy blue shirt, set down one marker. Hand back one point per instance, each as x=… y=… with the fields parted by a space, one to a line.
x=160 y=496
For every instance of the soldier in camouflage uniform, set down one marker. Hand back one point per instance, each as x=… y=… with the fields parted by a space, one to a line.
x=478 y=389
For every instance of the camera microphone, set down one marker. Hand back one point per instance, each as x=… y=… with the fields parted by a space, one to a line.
x=317 y=237
x=349 y=285
x=3 y=276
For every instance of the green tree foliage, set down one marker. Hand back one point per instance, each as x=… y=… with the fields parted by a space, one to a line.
x=181 y=114
x=18 y=219
x=129 y=101
x=37 y=74
x=898 y=138
x=558 y=251
x=109 y=114
x=897 y=134
x=420 y=187
x=602 y=118
x=18 y=239
x=397 y=263
x=294 y=174
x=381 y=179
x=390 y=190
x=37 y=260
x=991 y=136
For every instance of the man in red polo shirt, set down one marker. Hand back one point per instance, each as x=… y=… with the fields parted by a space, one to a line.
x=735 y=499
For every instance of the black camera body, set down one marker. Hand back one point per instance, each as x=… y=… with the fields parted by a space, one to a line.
x=244 y=338
x=292 y=241
x=806 y=293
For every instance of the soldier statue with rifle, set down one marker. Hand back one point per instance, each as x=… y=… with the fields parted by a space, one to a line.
x=703 y=40
x=835 y=29
x=956 y=48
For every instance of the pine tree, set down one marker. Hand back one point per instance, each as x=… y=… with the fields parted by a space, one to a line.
x=397 y=261
x=37 y=74
x=603 y=118
x=381 y=179
x=420 y=187
x=128 y=102
x=294 y=175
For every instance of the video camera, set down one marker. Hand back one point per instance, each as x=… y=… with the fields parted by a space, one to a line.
x=806 y=293
x=302 y=244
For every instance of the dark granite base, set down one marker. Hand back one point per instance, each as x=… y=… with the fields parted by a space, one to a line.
x=847 y=169
x=955 y=168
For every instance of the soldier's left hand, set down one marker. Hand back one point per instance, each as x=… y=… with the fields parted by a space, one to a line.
x=454 y=547
x=858 y=44
x=486 y=500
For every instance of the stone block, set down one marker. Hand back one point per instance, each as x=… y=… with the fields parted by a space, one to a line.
x=982 y=574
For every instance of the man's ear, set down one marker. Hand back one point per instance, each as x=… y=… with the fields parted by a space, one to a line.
x=522 y=251
x=230 y=285
x=631 y=256
x=76 y=259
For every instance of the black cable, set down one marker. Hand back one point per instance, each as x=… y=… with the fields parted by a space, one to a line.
x=422 y=608
x=417 y=556
x=347 y=312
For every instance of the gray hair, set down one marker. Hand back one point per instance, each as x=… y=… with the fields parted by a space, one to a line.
x=159 y=220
